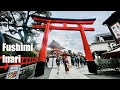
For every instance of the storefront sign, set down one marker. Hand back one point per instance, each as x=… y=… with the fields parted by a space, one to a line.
x=116 y=31
x=13 y=72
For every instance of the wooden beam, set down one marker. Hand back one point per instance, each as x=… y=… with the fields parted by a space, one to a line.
x=62 y=28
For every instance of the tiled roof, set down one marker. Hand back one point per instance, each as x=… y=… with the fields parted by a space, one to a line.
x=55 y=45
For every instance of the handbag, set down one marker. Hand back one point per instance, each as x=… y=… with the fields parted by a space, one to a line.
x=67 y=69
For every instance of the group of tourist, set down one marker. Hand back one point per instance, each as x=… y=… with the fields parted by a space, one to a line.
x=63 y=60
x=78 y=60
x=75 y=60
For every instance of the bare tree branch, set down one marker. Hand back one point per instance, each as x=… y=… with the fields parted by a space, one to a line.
x=21 y=16
x=14 y=20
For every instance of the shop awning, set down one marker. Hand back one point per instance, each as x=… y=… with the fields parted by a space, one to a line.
x=113 y=54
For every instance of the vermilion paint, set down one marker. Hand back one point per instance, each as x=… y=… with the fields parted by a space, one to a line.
x=48 y=26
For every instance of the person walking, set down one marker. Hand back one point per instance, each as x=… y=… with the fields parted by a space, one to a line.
x=78 y=61
x=72 y=59
x=82 y=61
x=66 y=64
x=58 y=63
x=47 y=60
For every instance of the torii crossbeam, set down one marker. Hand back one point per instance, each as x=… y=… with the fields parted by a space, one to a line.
x=48 y=26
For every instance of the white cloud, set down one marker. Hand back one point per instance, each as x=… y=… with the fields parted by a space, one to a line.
x=72 y=39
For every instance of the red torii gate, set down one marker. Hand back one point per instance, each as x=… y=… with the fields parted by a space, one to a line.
x=48 y=27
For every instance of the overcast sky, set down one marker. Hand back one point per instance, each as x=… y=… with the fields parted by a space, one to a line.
x=71 y=40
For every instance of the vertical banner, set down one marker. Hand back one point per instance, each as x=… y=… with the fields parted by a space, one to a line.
x=116 y=31
x=13 y=72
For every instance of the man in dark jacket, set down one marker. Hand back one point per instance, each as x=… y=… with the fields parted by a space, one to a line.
x=58 y=63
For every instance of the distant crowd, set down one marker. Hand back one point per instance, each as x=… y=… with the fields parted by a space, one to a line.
x=69 y=60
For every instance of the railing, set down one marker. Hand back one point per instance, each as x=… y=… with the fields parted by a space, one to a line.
x=24 y=61
x=26 y=72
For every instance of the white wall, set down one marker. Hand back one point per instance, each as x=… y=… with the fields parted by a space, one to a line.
x=100 y=47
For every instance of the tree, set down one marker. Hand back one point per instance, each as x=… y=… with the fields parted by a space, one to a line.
x=17 y=23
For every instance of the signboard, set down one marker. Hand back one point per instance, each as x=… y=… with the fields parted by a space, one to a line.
x=116 y=31
x=13 y=72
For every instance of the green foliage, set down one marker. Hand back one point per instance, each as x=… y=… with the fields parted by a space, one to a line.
x=25 y=53
x=29 y=54
x=6 y=53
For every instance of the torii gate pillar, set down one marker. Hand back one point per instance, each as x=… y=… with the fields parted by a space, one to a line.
x=42 y=54
x=91 y=64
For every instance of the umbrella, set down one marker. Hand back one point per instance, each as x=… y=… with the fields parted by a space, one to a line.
x=65 y=54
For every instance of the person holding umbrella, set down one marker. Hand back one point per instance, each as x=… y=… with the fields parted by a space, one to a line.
x=66 y=62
